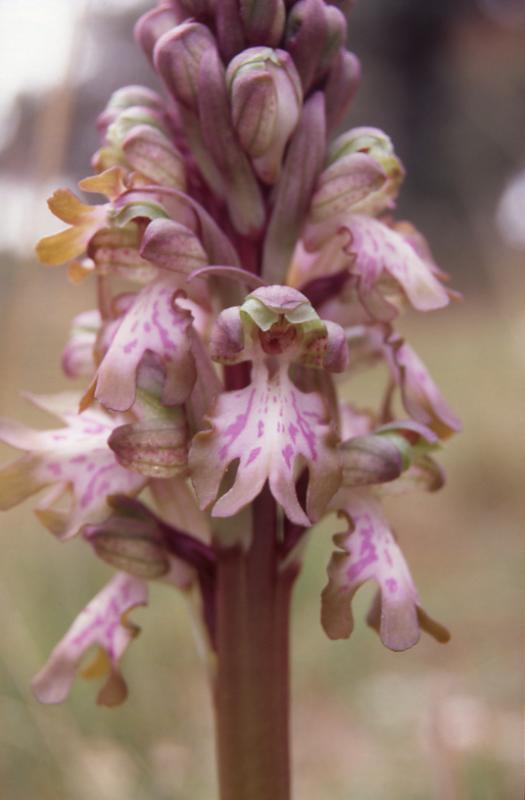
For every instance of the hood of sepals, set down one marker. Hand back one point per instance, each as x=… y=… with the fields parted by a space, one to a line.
x=371 y=141
x=282 y=319
x=378 y=146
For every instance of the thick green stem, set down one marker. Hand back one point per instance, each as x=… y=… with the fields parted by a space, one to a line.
x=252 y=683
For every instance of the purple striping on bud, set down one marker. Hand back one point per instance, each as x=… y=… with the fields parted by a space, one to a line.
x=116 y=250
x=172 y=246
x=151 y=153
x=315 y=33
x=132 y=545
x=266 y=99
x=378 y=147
x=396 y=454
x=227 y=341
x=345 y=183
x=178 y=55
x=156 y=448
x=369 y=460
x=242 y=193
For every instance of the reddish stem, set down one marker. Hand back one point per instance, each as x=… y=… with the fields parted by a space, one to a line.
x=252 y=683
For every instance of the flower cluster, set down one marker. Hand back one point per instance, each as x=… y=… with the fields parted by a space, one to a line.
x=263 y=267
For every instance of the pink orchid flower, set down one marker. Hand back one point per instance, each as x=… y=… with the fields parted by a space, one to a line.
x=265 y=268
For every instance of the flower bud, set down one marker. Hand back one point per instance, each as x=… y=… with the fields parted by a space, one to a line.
x=397 y=450
x=343 y=184
x=263 y=23
x=128 y=97
x=370 y=459
x=178 y=54
x=315 y=32
x=241 y=190
x=156 y=448
x=375 y=144
x=341 y=87
x=116 y=250
x=302 y=164
x=134 y=545
x=335 y=38
x=137 y=137
x=266 y=98
x=152 y=25
x=170 y=245
x=153 y=155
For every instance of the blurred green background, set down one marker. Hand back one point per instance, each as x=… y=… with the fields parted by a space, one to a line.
x=435 y=723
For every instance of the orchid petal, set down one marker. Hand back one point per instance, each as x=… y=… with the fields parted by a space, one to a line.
x=102 y=623
x=421 y=397
x=110 y=183
x=370 y=552
x=273 y=430
x=72 y=242
x=378 y=248
x=74 y=460
x=154 y=322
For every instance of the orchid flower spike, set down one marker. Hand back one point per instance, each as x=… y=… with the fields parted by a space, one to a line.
x=264 y=270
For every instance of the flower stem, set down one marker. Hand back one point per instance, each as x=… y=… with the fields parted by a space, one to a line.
x=252 y=683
